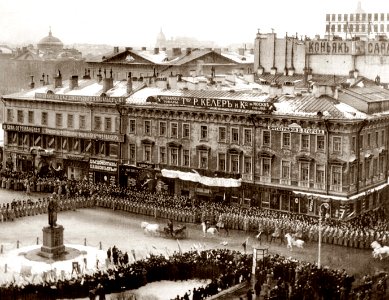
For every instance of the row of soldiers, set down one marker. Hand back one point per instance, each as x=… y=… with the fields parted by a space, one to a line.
x=264 y=223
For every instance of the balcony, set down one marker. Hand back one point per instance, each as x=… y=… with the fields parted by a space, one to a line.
x=319 y=186
x=284 y=181
x=265 y=179
x=336 y=188
x=247 y=177
x=304 y=184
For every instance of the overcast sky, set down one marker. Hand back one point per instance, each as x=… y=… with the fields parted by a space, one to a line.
x=137 y=23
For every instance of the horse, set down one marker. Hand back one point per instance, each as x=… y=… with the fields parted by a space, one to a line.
x=293 y=242
x=150 y=228
x=210 y=230
x=379 y=251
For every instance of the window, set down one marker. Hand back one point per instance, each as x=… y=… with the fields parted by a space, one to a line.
x=285 y=170
x=304 y=172
x=132 y=154
x=147 y=153
x=174 y=156
x=333 y=17
x=147 y=127
x=382 y=28
x=162 y=155
x=174 y=130
x=363 y=27
x=363 y=17
x=162 y=128
x=383 y=138
x=337 y=144
x=375 y=166
x=336 y=178
x=357 y=16
x=185 y=131
x=382 y=17
x=222 y=162
x=339 y=17
x=222 y=134
x=186 y=158
x=265 y=170
x=108 y=124
x=375 y=17
x=376 y=140
x=203 y=159
x=353 y=174
x=305 y=142
x=117 y=124
x=320 y=177
x=44 y=118
x=361 y=141
x=351 y=17
x=328 y=16
x=247 y=136
x=97 y=123
x=10 y=115
x=20 y=116
x=234 y=159
x=247 y=165
x=113 y=149
x=286 y=140
x=381 y=163
x=82 y=121
x=58 y=120
x=368 y=140
x=204 y=132
x=375 y=28
x=367 y=169
x=70 y=121
x=345 y=17
x=266 y=138
x=235 y=135
x=353 y=144
x=132 y=126
x=30 y=116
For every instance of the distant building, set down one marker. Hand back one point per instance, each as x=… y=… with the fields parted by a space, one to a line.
x=358 y=24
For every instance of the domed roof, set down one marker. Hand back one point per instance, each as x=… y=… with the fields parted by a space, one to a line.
x=50 y=42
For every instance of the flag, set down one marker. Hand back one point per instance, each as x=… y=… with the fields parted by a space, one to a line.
x=224 y=197
x=133 y=254
x=179 y=246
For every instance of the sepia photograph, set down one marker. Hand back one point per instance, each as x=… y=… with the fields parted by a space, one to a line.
x=188 y=150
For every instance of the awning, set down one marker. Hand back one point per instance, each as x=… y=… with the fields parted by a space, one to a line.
x=380 y=187
x=196 y=177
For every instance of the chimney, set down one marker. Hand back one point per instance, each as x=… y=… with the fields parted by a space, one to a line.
x=128 y=48
x=163 y=49
x=99 y=76
x=58 y=80
x=273 y=89
x=43 y=79
x=241 y=51
x=161 y=83
x=188 y=51
x=115 y=50
x=73 y=83
x=47 y=81
x=86 y=75
x=288 y=88
x=107 y=83
x=32 y=83
x=176 y=51
x=129 y=84
x=172 y=80
x=144 y=49
x=156 y=50
x=218 y=50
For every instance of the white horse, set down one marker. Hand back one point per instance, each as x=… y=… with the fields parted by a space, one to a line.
x=150 y=228
x=293 y=242
x=210 y=230
x=379 y=251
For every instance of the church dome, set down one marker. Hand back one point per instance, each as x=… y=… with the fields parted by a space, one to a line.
x=50 y=42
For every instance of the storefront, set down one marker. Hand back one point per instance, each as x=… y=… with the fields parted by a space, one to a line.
x=103 y=171
x=76 y=166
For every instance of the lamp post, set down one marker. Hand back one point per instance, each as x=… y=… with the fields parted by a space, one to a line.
x=326 y=205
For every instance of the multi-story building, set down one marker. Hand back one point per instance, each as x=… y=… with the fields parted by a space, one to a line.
x=358 y=24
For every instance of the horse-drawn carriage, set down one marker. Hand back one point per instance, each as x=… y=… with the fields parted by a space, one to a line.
x=179 y=232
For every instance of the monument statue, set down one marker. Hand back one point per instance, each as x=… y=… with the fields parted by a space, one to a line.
x=52 y=211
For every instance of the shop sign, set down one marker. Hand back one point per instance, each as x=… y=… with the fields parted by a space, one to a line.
x=266 y=107
x=311 y=204
x=377 y=48
x=76 y=98
x=77 y=157
x=145 y=165
x=296 y=129
x=84 y=135
x=22 y=128
x=202 y=190
x=328 y=47
x=103 y=165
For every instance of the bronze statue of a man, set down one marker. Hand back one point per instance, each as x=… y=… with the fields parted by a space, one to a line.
x=52 y=212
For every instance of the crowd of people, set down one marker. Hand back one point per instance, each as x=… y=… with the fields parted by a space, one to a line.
x=266 y=224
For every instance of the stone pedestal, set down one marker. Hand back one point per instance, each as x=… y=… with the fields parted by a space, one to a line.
x=53 y=246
